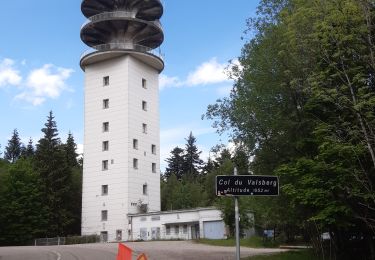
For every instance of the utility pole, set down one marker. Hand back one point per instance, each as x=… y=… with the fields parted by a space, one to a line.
x=237 y=217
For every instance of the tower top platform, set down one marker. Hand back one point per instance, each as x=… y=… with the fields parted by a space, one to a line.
x=122 y=27
x=143 y=9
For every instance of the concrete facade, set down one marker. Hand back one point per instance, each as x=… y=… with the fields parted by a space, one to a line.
x=177 y=224
x=121 y=145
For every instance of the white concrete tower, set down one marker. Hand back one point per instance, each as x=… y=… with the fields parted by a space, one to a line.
x=121 y=138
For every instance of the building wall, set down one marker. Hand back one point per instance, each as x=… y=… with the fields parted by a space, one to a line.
x=182 y=224
x=125 y=117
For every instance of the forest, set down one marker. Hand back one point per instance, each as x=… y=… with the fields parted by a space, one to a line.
x=301 y=108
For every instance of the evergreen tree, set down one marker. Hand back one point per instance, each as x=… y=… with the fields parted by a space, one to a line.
x=70 y=150
x=192 y=162
x=56 y=176
x=23 y=212
x=28 y=151
x=14 y=148
x=175 y=163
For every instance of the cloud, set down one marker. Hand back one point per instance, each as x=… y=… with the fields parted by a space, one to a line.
x=209 y=72
x=165 y=81
x=8 y=74
x=45 y=82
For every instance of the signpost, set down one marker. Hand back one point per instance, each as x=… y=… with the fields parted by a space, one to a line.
x=245 y=185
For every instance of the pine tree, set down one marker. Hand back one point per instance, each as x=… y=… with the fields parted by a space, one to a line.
x=56 y=177
x=28 y=151
x=14 y=148
x=192 y=162
x=70 y=151
x=175 y=164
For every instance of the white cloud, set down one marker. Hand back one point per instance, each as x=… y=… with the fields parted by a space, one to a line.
x=165 y=82
x=210 y=72
x=8 y=74
x=45 y=82
x=79 y=149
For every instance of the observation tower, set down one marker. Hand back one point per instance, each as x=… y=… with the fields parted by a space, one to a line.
x=121 y=138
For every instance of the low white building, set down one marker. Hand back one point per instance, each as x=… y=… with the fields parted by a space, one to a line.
x=177 y=224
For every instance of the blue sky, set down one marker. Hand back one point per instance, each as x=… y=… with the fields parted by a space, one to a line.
x=40 y=50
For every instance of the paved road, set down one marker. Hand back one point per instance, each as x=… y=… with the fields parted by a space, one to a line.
x=158 y=250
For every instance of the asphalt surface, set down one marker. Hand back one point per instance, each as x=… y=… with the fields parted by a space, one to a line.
x=157 y=250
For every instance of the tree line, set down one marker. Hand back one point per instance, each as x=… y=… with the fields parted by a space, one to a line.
x=189 y=182
x=40 y=188
x=303 y=106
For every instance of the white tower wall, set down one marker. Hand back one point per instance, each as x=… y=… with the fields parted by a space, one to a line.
x=125 y=115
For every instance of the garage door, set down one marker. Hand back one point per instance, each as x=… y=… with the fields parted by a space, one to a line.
x=213 y=229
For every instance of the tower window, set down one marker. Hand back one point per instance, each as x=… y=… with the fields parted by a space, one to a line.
x=153 y=149
x=144 y=105
x=135 y=163
x=144 y=128
x=153 y=167
x=105 y=126
x=106 y=81
x=105 y=103
x=105 y=165
x=145 y=189
x=104 y=215
x=135 y=144
x=144 y=83
x=104 y=190
x=105 y=145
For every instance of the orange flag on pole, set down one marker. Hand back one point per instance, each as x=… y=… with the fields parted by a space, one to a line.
x=124 y=252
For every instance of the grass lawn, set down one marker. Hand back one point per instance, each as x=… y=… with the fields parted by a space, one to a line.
x=255 y=242
x=291 y=255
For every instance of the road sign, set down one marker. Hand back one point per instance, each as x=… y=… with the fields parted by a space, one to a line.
x=247 y=185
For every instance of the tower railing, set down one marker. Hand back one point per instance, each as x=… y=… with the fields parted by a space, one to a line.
x=117 y=14
x=123 y=47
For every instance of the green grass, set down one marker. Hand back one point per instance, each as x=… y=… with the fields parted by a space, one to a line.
x=255 y=242
x=291 y=255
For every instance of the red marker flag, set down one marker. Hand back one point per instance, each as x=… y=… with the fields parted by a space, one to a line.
x=124 y=252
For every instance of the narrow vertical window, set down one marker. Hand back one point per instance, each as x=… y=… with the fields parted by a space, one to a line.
x=144 y=83
x=135 y=144
x=144 y=128
x=105 y=103
x=145 y=189
x=135 y=163
x=153 y=167
x=104 y=215
x=104 y=190
x=105 y=145
x=105 y=165
x=105 y=127
x=144 y=105
x=153 y=149
x=106 y=81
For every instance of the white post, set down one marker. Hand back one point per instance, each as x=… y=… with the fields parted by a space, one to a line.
x=237 y=216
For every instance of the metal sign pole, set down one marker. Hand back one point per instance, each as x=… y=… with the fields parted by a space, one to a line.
x=236 y=212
